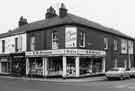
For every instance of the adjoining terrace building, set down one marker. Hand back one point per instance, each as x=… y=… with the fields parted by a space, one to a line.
x=63 y=45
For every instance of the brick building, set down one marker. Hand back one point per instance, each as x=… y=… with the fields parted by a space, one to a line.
x=67 y=45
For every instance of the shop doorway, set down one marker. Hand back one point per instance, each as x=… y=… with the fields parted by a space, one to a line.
x=4 y=67
x=18 y=66
x=71 y=66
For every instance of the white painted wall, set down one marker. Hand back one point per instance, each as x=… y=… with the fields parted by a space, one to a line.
x=10 y=43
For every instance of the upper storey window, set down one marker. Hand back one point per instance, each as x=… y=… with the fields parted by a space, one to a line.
x=130 y=47
x=16 y=45
x=54 y=40
x=82 y=39
x=123 y=46
x=115 y=45
x=32 y=43
x=105 y=43
x=3 y=45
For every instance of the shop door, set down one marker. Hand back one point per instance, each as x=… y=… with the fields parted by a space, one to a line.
x=4 y=67
x=71 y=66
x=97 y=65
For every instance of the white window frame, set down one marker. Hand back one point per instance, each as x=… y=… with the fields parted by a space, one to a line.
x=115 y=45
x=130 y=47
x=106 y=43
x=82 y=39
x=54 y=41
x=124 y=46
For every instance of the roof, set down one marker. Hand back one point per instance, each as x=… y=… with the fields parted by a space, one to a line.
x=69 y=19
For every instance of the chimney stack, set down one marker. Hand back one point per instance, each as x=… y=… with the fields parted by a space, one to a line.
x=62 y=10
x=22 y=21
x=50 y=13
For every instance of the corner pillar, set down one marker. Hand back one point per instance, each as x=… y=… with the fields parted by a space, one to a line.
x=45 y=65
x=64 y=73
x=77 y=66
x=27 y=66
x=103 y=64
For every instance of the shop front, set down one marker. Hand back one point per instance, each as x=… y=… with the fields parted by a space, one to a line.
x=18 y=64
x=65 y=62
x=5 y=64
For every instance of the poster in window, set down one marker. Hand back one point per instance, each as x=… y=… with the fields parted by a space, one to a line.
x=70 y=37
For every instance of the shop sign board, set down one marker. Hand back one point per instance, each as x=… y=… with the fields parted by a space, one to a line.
x=38 y=53
x=71 y=37
x=69 y=52
x=4 y=59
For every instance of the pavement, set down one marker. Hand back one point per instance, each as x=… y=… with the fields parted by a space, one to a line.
x=88 y=79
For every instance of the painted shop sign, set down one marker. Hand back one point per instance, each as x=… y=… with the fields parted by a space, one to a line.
x=70 y=37
x=69 y=52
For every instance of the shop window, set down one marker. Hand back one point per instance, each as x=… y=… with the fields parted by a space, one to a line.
x=16 y=45
x=55 y=66
x=54 y=40
x=115 y=45
x=105 y=43
x=36 y=66
x=130 y=47
x=3 y=45
x=82 y=39
x=32 y=43
x=123 y=46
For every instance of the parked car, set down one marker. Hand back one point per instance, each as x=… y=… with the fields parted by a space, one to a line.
x=118 y=72
x=131 y=72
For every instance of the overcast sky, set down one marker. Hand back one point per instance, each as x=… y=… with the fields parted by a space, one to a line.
x=117 y=14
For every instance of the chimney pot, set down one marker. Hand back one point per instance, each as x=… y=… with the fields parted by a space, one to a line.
x=62 y=10
x=50 y=13
x=22 y=21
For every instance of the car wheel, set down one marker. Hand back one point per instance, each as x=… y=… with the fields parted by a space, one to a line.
x=108 y=78
x=121 y=77
x=134 y=76
x=128 y=77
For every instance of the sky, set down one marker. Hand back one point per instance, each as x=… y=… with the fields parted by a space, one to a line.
x=117 y=14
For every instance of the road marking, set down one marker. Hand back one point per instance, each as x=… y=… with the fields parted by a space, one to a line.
x=121 y=86
x=131 y=87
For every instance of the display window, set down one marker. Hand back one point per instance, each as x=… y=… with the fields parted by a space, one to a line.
x=85 y=66
x=55 y=66
x=90 y=66
x=36 y=66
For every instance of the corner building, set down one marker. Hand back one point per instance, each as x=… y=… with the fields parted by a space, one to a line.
x=70 y=46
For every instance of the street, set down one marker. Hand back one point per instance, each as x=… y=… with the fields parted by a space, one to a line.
x=8 y=84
